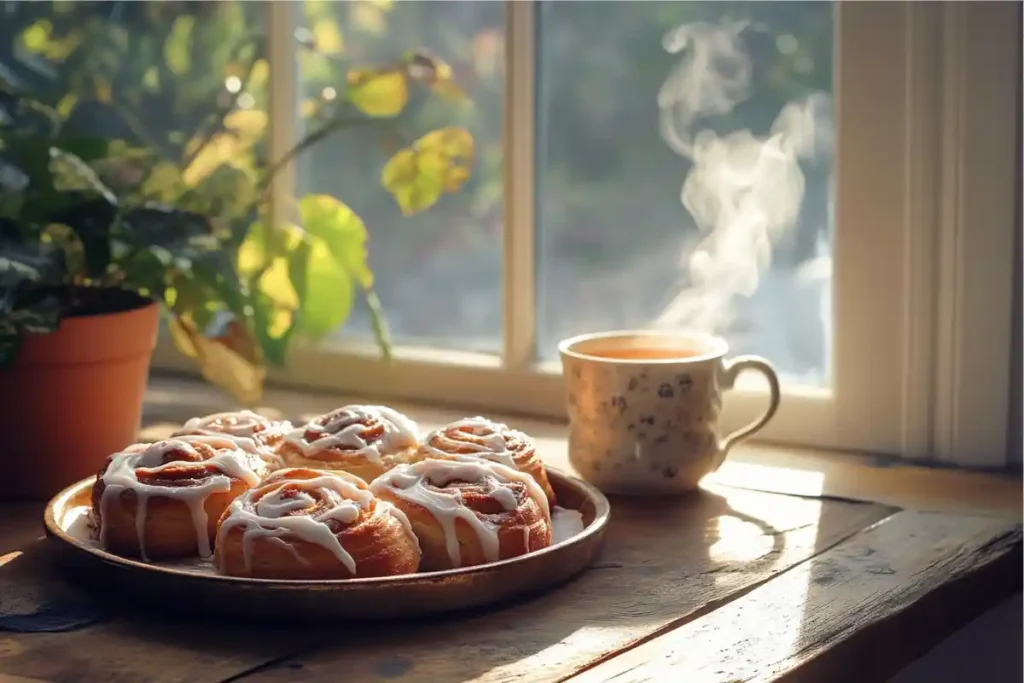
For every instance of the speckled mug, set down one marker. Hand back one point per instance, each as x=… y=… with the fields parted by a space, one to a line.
x=649 y=425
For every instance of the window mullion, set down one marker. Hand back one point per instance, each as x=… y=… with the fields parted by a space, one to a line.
x=519 y=142
x=282 y=103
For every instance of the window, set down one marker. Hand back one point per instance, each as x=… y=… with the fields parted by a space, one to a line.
x=828 y=185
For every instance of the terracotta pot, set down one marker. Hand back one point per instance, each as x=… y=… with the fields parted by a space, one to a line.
x=72 y=398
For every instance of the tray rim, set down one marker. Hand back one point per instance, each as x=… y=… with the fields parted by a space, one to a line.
x=602 y=513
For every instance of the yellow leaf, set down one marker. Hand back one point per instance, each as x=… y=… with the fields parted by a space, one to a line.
x=276 y=284
x=328 y=36
x=448 y=90
x=231 y=362
x=248 y=123
x=58 y=49
x=281 y=321
x=438 y=162
x=259 y=75
x=455 y=143
x=66 y=105
x=221 y=149
x=378 y=93
x=163 y=182
x=36 y=36
x=181 y=337
x=252 y=253
x=367 y=17
x=177 y=48
x=454 y=179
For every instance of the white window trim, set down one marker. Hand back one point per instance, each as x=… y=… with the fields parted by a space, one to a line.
x=925 y=156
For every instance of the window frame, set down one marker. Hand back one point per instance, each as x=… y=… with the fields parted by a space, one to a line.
x=908 y=375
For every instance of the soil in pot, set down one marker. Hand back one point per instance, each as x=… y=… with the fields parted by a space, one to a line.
x=73 y=397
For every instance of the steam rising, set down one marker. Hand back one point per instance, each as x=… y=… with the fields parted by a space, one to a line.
x=743 y=191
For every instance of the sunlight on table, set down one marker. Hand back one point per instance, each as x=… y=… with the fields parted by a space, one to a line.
x=769 y=478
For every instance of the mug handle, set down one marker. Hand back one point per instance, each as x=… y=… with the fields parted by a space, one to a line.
x=732 y=370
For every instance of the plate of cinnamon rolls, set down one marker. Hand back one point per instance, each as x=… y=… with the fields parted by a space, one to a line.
x=354 y=514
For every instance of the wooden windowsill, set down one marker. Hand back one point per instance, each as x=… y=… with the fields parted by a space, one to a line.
x=797 y=471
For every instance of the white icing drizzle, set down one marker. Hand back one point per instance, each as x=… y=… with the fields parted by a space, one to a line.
x=408 y=483
x=565 y=523
x=242 y=427
x=271 y=515
x=243 y=423
x=344 y=431
x=488 y=442
x=121 y=474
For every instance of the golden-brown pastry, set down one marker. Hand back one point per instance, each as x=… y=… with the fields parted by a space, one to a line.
x=468 y=512
x=251 y=431
x=479 y=437
x=162 y=500
x=362 y=440
x=309 y=524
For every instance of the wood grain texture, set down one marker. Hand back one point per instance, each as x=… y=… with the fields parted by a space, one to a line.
x=126 y=647
x=665 y=561
x=858 y=612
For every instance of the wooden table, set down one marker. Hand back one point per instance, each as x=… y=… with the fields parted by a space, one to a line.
x=724 y=585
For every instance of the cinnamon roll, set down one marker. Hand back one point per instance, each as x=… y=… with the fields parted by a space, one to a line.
x=252 y=432
x=307 y=524
x=362 y=440
x=162 y=500
x=478 y=437
x=467 y=513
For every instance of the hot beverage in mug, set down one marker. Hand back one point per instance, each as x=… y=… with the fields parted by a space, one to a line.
x=644 y=407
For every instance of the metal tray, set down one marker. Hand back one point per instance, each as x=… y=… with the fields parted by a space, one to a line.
x=198 y=590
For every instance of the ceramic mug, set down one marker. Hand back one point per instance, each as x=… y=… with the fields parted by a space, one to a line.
x=644 y=407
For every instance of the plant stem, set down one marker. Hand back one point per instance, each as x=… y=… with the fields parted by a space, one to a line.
x=310 y=140
x=379 y=324
x=224 y=111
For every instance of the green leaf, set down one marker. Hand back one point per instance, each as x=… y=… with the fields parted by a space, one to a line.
x=341 y=230
x=329 y=291
x=26 y=261
x=92 y=220
x=183 y=233
x=177 y=49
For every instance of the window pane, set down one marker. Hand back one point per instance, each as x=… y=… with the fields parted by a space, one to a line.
x=437 y=273
x=685 y=174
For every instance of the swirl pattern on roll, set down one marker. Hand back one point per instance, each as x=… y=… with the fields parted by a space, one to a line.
x=478 y=437
x=251 y=431
x=364 y=440
x=468 y=512
x=308 y=524
x=163 y=499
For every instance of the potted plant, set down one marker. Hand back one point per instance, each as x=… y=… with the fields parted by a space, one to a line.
x=98 y=236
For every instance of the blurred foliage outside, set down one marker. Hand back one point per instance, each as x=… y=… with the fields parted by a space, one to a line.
x=179 y=91
x=609 y=219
